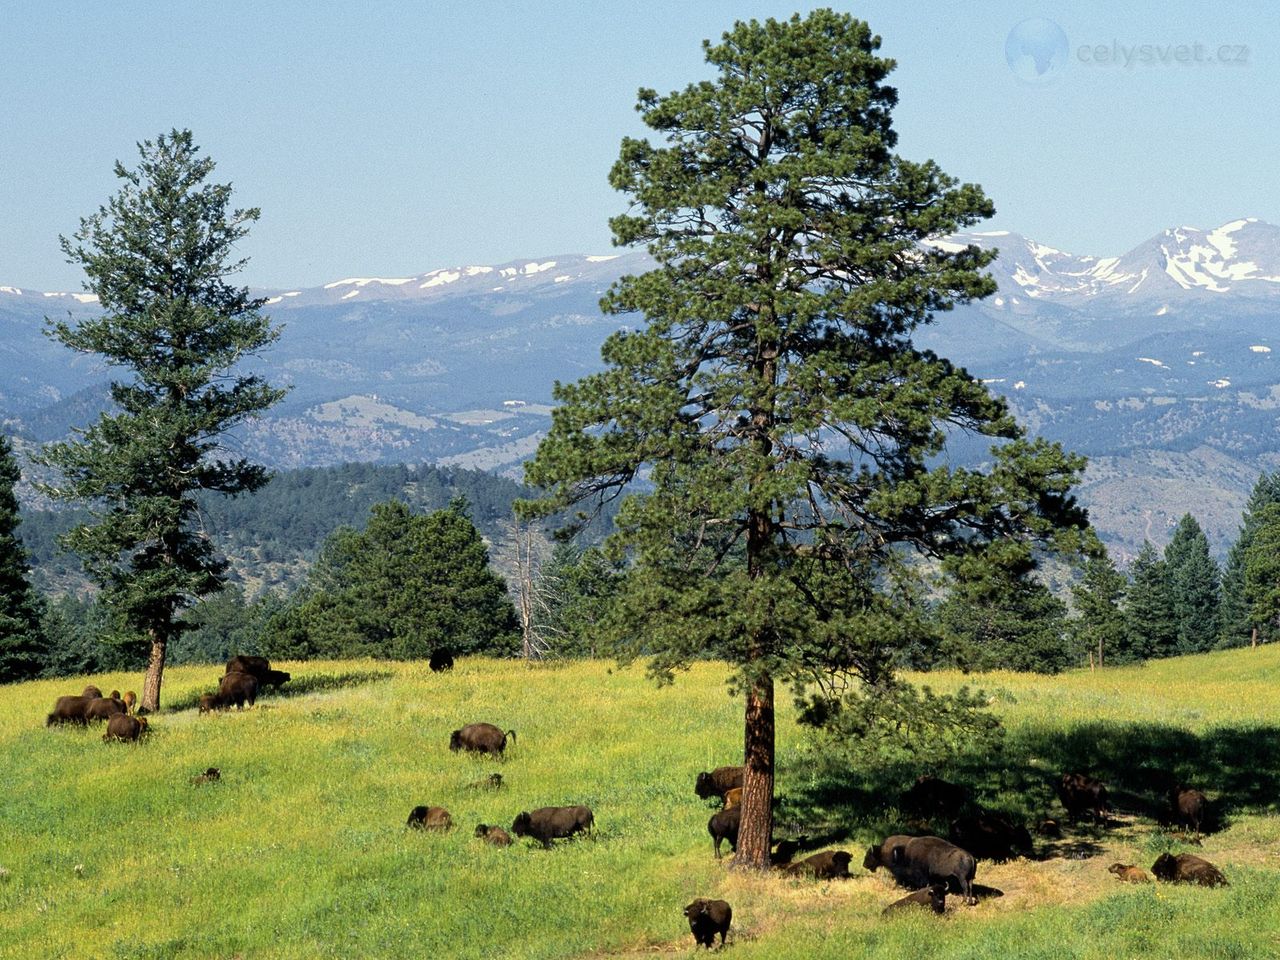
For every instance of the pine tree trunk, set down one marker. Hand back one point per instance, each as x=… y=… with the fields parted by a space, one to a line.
x=755 y=833
x=155 y=672
x=1253 y=637
x=1099 y=653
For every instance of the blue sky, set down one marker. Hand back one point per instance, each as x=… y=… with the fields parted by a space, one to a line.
x=387 y=139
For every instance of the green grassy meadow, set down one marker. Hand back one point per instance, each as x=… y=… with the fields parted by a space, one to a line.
x=300 y=851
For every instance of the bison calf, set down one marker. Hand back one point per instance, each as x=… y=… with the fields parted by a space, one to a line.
x=430 y=818
x=130 y=701
x=718 y=782
x=553 y=823
x=1129 y=873
x=1187 y=868
x=723 y=825
x=706 y=919
x=828 y=865
x=124 y=727
x=480 y=738
x=926 y=860
x=493 y=834
x=933 y=896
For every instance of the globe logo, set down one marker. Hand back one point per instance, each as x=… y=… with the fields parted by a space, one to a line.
x=1036 y=50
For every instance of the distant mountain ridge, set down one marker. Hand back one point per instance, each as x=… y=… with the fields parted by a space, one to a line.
x=1157 y=363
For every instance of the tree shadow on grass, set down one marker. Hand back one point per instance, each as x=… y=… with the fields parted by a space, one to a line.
x=296 y=687
x=1238 y=767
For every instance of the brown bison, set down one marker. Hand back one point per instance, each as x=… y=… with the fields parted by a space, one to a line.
x=493 y=834
x=238 y=688
x=931 y=797
x=1081 y=793
x=732 y=798
x=926 y=860
x=130 y=701
x=124 y=727
x=1189 y=807
x=212 y=775
x=724 y=825
x=553 y=823
x=881 y=855
x=1187 y=868
x=260 y=669
x=480 y=738
x=69 y=710
x=933 y=896
x=440 y=661
x=103 y=708
x=430 y=818
x=492 y=782
x=783 y=851
x=828 y=865
x=1129 y=873
x=91 y=692
x=718 y=782
x=991 y=836
x=706 y=919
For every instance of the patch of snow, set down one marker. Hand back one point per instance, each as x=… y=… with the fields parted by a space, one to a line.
x=1259 y=348
x=1220 y=384
x=531 y=268
x=365 y=281
x=995 y=380
x=993 y=233
x=440 y=279
x=293 y=293
x=1024 y=279
x=561 y=279
x=998 y=301
x=1020 y=385
x=271 y=300
x=508 y=271
x=1155 y=363
x=13 y=290
x=496 y=289
x=1039 y=250
x=1162 y=311
x=353 y=293
x=946 y=246
x=1197 y=353
x=599 y=259
x=474 y=271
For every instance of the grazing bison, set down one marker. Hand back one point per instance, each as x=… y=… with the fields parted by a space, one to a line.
x=991 y=836
x=932 y=797
x=1129 y=873
x=718 y=782
x=828 y=865
x=440 y=661
x=1081 y=793
x=212 y=775
x=925 y=860
x=211 y=701
x=732 y=798
x=69 y=710
x=493 y=834
x=238 y=688
x=430 y=818
x=480 y=738
x=880 y=856
x=1189 y=807
x=706 y=919
x=124 y=727
x=553 y=823
x=91 y=692
x=1187 y=868
x=933 y=896
x=723 y=825
x=130 y=701
x=103 y=708
x=259 y=668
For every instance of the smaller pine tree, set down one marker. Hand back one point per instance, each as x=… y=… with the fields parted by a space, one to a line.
x=1194 y=583
x=1100 y=627
x=22 y=642
x=1151 y=626
x=1235 y=626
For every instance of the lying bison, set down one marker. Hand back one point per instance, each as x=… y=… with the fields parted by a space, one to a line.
x=925 y=860
x=932 y=797
x=1081 y=793
x=553 y=823
x=718 y=782
x=723 y=825
x=933 y=896
x=1129 y=873
x=429 y=818
x=1189 y=807
x=706 y=919
x=238 y=688
x=1187 y=868
x=828 y=865
x=124 y=728
x=69 y=710
x=494 y=835
x=480 y=738
x=991 y=836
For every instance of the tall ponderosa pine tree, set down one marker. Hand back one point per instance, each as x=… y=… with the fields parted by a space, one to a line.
x=1099 y=627
x=1151 y=625
x=774 y=401
x=1235 y=625
x=1262 y=575
x=22 y=642
x=158 y=256
x=1193 y=581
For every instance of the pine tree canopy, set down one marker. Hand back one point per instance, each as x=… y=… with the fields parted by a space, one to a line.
x=158 y=256
x=786 y=426
x=22 y=640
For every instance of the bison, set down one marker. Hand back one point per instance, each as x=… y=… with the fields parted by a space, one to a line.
x=553 y=823
x=211 y=701
x=783 y=851
x=130 y=701
x=828 y=865
x=492 y=782
x=260 y=669
x=430 y=818
x=718 y=782
x=1129 y=873
x=880 y=856
x=1187 y=868
x=91 y=692
x=103 y=708
x=1189 y=807
x=440 y=661
x=723 y=825
x=69 y=710
x=925 y=860
x=732 y=798
x=991 y=836
x=1082 y=793
x=933 y=896
x=480 y=738
x=238 y=688
x=124 y=727
x=212 y=775
x=932 y=797
x=493 y=834
x=706 y=919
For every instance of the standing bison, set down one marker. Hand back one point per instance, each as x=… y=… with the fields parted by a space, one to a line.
x=1081 y=793
x=881 y=856
x=124 y=728
x=991 y=836
x=706 y=919
x=553 y=823
x=441 y=660
x=260 y=669
x=724 y=825
x=925 y=860
x=718 y=782
x=1189 y=807
x=69 y=710
x=480 y=738
x=238 y=688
